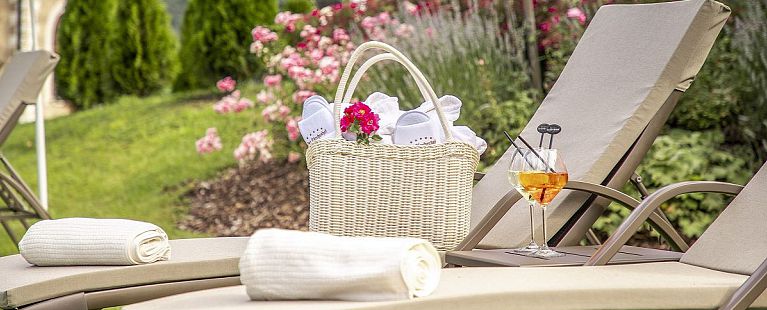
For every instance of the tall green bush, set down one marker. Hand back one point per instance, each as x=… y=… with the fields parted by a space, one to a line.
x=83 y=76
x=144 y=48
x=215 y=40
x=298 y=6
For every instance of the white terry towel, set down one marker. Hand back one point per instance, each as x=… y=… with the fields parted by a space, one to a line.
x=286 y=264
x=84 y=241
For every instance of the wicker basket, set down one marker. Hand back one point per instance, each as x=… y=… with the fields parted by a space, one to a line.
x=389 y=190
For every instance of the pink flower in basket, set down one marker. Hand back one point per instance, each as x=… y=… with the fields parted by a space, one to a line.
x=360 y=122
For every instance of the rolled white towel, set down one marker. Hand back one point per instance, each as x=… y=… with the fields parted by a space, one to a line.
x=84 y=241
x=285 y=264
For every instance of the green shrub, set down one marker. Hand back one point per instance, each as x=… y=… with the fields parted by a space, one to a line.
x=144 y=48
x=750 y=37
x=468 y=57
x=215 y=40
x=712 y=100
x=83 y=76
x=683 y=155
x=298 y=6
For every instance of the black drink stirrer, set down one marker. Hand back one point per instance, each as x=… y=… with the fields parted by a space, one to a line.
x=552 y=130
x=542 y=129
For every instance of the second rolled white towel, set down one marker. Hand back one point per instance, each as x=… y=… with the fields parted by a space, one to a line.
x=285 y=264
x=85 y=241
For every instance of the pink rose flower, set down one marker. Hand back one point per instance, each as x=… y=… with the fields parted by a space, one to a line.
x=265 y=96
x=300 y=96
x=340 y=35
x=272 y=80
x=209 y=143
x=263 y=34
x=294 y=157
x=292 y=127
x=578 y=14
x=226 y=84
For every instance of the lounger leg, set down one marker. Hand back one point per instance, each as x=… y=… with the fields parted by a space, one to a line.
x=10 y=233
x=69 y=302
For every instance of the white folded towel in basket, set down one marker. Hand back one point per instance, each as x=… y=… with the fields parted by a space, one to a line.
x=84 y=241
x=285 y=264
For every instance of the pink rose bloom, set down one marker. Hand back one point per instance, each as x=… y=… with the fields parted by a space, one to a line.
x=545 y=26
x=283 y=111
x=294 y=157
x=340 y=35
x=578 y=14
x=369 y=23
x=256 y=47
x=272 y=80
x=384 y=18
x=263 y=34
x=316 y=55
x=369 y=123
x=300 y=96
x=242 y=105
x=226 y=84
x=265 y=96
x=328 y=65
x=209 y=143
x=292 y=127
x=346 y=121
x=308 y=30
x=270 y=112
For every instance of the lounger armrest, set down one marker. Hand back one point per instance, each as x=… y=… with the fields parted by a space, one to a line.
x=478 y=176
x=504 y=204
x=656 y=219
x=647 y=207
x=747 y=293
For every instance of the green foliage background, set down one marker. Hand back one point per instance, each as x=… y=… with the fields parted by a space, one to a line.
x=297 y=6
x=83 y=75
x=144 y=53
x=215 y=40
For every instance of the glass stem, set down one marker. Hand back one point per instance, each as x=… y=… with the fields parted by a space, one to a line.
x=545 y=234
x=532 y=225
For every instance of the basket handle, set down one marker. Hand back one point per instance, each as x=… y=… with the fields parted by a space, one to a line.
x=364 y=68
x=417 y=75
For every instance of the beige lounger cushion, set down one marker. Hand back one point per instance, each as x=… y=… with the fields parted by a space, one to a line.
x=22 y=284
x=625 y=66
x=668 y=285
x=737 y=240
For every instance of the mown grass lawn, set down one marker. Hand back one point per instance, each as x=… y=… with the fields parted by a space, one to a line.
x=130 y=159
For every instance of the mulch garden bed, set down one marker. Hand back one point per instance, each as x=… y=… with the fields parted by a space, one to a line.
x=251 y=196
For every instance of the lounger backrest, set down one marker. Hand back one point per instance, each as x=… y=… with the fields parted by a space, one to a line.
x=737 y=240
x=20 y=83
x=625 y=66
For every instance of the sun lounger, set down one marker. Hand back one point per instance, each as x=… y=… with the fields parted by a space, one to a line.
x=726 y=269
x=22 y=78
x=640 y=57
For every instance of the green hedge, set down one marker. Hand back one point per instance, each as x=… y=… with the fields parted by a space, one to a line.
x=298 y=6
x=144 y=48
x=215 y=40
x=83 y=76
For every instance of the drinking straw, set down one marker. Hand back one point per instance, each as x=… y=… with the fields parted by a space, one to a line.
x=528 y=146
x=516 y=147
x=536 y=153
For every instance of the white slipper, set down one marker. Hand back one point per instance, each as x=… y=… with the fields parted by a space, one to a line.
x=414 y=128
x=317 y=120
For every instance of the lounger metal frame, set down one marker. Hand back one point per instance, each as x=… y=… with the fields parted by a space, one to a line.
x=743 y=297
x=20 y=203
